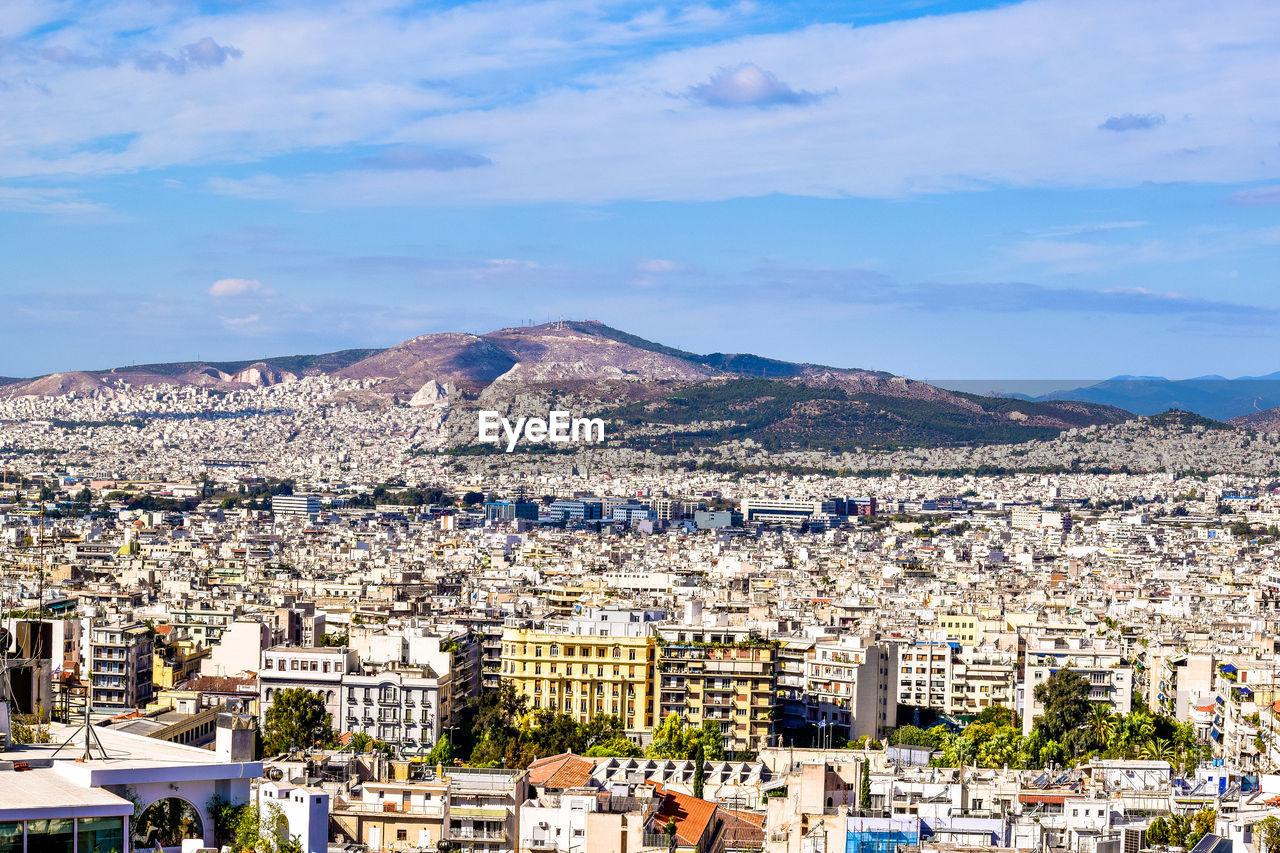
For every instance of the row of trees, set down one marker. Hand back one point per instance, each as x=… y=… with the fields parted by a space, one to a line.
x=1070 y=731
x=1179 y=830
x=501 y=731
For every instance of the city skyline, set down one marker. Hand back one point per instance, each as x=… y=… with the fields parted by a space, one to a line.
x=920 y=188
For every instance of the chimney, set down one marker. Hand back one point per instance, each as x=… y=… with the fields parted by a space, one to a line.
x=234 y=737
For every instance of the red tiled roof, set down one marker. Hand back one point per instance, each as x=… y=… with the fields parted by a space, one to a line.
x=560 y=771
x=690 y=814
x=742 y=829
x=219 y=684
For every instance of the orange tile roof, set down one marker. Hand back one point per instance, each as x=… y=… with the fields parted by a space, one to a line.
x=690 y=814
x=561 y=771
x=743 y=829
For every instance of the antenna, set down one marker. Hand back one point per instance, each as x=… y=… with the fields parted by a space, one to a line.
x=91 y=738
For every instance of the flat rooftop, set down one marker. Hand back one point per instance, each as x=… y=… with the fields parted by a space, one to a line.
x=33 y=793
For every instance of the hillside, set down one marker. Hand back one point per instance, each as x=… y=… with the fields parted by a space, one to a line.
x=654 y=396
x=1211 y=396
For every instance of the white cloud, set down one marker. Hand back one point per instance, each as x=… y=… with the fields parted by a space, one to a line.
x=235 y=286
x=657 y=265
x=748 y=85
x=250 y=320
x=589 y=102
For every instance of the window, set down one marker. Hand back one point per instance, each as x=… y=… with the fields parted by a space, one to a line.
x=402 y=835
x=50 y=836
x=99 y=834
x=11 y=836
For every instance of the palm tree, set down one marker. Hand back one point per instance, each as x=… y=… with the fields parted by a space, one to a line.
x=1158 y=749
x=1101 y=725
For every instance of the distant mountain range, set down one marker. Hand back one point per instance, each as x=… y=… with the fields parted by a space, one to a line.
x=654 y=395
x=1211 y=396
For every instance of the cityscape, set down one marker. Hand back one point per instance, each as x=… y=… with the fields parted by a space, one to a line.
x=610 y=501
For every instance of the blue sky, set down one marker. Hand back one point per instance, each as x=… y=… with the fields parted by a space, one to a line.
x=991 y=190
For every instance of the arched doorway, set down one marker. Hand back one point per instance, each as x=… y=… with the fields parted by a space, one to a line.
x=165 y=823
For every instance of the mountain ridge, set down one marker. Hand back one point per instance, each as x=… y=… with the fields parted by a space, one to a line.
x=655 y=395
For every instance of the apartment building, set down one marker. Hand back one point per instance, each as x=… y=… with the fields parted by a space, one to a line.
x=1178 y=681
x=596 y=664
x=925 y=674
x=850 y=684
x=202 y=621
x=670 y=509
x=793 y=652
x=782 y=511
x=402 y=707
x=956 y=679
x=120 y=666
x=465 y=809
x=725 y=675
x=296 y=505
x=320 y=670
x=1110 y=677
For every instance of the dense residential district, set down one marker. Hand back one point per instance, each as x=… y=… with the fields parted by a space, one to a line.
x=552 y=654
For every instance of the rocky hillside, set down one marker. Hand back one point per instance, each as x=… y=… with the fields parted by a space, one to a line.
x=1264 y=421
x=653 y=396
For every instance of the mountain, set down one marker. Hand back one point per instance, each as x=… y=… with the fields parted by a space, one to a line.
x=652 y=395
x=1211 y=396
x=1265 y=421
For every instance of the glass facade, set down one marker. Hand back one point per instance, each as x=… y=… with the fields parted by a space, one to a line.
x=64 y=835
x=51 y=836
x=100 y=835
x=10 y=836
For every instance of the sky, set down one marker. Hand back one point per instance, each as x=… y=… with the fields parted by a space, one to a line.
x=1048 y=188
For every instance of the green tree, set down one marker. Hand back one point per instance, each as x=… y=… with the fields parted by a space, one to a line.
x=1158 y=832
x=442 y=752
x=864 y=786
x=1065 y=699
x=1102 y=726
x=997 y=714
x=226 y=817
x=296 y=720
x=915 y=736
x=699 y=771
x=267 y=833
x=1269 y=834
x=1203 y=822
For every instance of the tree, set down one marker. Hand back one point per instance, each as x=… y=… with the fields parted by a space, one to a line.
x=934 y=738
x=361 y=742
x=267 y=833
x=1065 y=699
x=997 y=714
x=1158 y=832
x=672 y=739
x=296 y=720
x=442 y=752
x=864 y=792
x=699 y=771
x=1269 y=834
x=226 y=818
x=1101 y=726
x=472 y=498
x=1203 y=822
